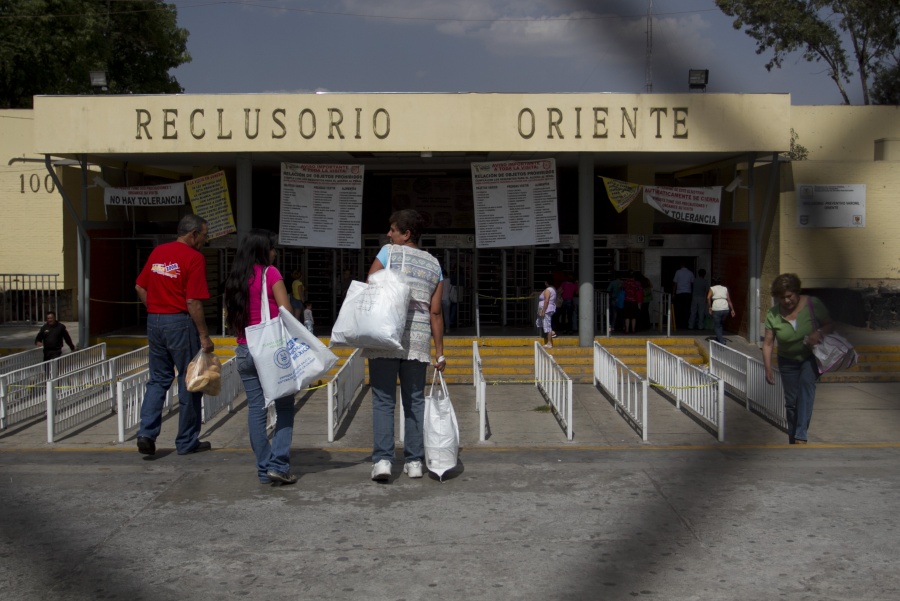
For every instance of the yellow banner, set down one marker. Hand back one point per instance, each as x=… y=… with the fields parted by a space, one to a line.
x=620 y=193
x=209 y=199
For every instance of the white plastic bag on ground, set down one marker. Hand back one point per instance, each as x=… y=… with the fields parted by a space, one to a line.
x=441 y=431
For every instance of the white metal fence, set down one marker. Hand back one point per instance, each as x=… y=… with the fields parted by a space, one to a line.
x=662 y=311
x=23 y=392
x=555 y=385
x=702 y=393
x=76 y=398
x=21 y=360
x=231 y=388
x=626 y=388
x=480 y=392
x=129 y=396
x=342 y=390
x=601 y=306
x=124 y=365
x=745 y=379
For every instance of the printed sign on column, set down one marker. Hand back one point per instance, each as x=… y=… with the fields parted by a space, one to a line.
x=321 y=205
x=515 y=203
x=210 y=200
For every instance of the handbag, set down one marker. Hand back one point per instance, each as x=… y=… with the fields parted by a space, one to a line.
x=374 y=314
x=834 y=352
x=287 y=356
x=441 y=430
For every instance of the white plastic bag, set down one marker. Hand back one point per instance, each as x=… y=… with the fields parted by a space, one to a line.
x=834 y=353
x=287 y=356
x=379 y=311
x=441 y=431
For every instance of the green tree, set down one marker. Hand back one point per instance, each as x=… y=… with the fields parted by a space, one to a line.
x=50 y=47
x=835 y=32
x=886 y=88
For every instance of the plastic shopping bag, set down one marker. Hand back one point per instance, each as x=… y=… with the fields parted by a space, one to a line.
x=834 y=353
x=441 y=430
x=204 y=374
x=288 y=357
x=379 y=311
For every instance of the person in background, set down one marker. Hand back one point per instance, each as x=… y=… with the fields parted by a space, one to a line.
x=791 y=323
x=243 y=304
x=647 y=287
x=719 y=305
x=173 y=286
x=445 y=301
x=546 y=309
x=613 y=290
x=567 y=291
x=424 y=322
x=634 y=296
x=298 y=294
x=51 y=336
x=699 y=309
x=308 y=320
x=681 y=295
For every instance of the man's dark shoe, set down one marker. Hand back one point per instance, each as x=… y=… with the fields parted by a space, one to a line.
x=146 y=446
x=281 y=477
x=201 y=446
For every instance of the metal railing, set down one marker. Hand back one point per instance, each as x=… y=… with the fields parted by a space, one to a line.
x=231 y=388
x=129 y=396
x=555 y=385
x=702 y=393
x=124 y=365
x=745 y=380
x=23 y=392
x=627 y=389
x=342 y=389
x=76 y=398
x=21 y=360
x=480 y=392
x=663 y=311
x=601 y=306
x=25 y=298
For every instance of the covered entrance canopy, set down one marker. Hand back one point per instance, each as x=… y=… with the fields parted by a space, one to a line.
x=632 y=137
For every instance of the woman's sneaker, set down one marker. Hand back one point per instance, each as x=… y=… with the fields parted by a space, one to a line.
x=381 y=470
x=413 y=469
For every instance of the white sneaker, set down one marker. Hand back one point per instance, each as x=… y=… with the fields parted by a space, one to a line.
x=381 y=470
x=413 y=469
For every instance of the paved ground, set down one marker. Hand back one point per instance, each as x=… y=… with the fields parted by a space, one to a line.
x=526 y=515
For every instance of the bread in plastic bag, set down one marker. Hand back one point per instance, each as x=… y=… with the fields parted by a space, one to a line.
x=204 y=374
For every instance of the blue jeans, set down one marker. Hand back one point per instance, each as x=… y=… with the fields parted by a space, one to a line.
x=445 y=311
x=719 y=318
x=798 y=378
x=173 y=341
x=383 y=378
x=277 y=454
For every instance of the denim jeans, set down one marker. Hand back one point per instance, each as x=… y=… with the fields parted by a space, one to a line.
x=798 y=378
x=383 y=378
x=697 y=320
x=173 y=341
x=719 y=318
x=277 y=454
x=445 y=311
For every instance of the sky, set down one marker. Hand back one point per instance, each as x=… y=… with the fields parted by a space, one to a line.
x=503 y=46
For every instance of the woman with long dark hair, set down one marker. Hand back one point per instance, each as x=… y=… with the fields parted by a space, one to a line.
x=243 y=295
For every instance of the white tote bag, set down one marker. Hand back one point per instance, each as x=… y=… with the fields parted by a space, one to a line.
x=379 y=310
x=441 y=431
x=287 y=356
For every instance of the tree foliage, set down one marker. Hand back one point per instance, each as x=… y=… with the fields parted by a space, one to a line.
x=50 y=47
x=839 y=33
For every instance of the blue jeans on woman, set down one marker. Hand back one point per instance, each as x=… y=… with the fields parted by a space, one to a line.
x=173 y=341
x=719 y=318
x=383 y=378
x=798 y=379
x=277 y=455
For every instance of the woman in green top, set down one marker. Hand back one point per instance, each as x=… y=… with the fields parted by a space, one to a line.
x=797 y=331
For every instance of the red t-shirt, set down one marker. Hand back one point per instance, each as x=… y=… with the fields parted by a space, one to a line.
x=174 y=273
x=255 y=297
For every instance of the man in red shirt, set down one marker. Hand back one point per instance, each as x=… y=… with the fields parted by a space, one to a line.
x=173 y=286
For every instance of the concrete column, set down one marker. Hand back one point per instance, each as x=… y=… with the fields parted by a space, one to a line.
x=244 y=217
x=586 y=317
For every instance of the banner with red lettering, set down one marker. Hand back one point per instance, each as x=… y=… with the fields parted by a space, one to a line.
x=165 y=195
x=694 y=205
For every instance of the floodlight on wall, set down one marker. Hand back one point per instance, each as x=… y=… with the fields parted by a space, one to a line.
x=734 y=184
x=698 y=79
x=98 y=80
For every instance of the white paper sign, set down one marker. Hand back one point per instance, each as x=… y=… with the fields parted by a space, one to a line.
x=694 y=205
x=321 y=205
x=515 y=203
x=167 y=195
x=831 y=205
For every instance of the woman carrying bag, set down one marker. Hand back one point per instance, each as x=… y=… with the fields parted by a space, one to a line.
x=243 y=291
x=424 y=321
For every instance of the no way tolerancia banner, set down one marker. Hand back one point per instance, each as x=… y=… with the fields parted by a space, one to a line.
x=694 y=205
